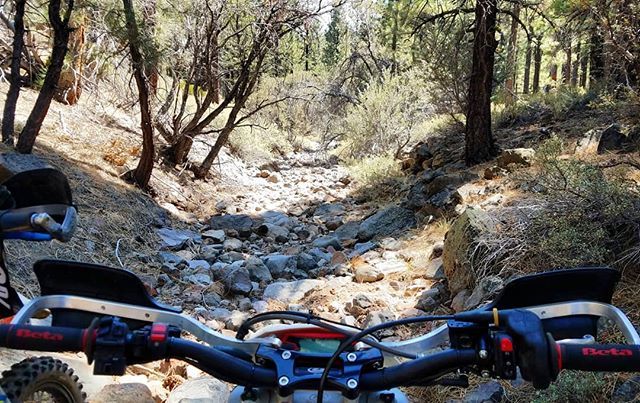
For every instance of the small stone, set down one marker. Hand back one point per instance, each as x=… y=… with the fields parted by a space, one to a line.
x=171 y=259
x=490 y=392
x=199 y=265
x=366 y=273
x=306 y=262
x=232 y=244
x=274 y=177
x=629 y=391
x=391 y=244
x=124 y=392
x=327 y=241
x=460 y=300
x=377 y=318
x=258 y=271
x=238 y=281
x=435 y=270
x=278 y=264
x=200 y=279
x=362 y=248
x=204 y=389
x=216 y=235
x=176 y=239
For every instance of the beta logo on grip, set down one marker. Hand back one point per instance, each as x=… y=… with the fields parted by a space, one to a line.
x=29 y=334
x=607 y=352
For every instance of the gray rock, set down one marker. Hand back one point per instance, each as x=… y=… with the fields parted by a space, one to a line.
x=238 y=281
x=245 y=305
x=232 y=244
x=236 y=320
x=291 y=292
x=363 y=247
x=231 y=257
x=238 y=222
x=435 y=270
x=258 y=271
x=487 y=287
x=326 y=241
x=220 y=314
x=278 y=218
x=329 y=209
x=611 y=139
x=520 y=156
x=124 y=392
x=279 y=264
x=366 y=273
x=376 y=318
x=386 y=222
x=460 y=300
x=429 y=300
x=306 y=262
x=319 y=254
x=199 y=264
x=629 y=391
x=347 y=231
x=457 y=247
x=204 y=389
x=210 y=253
x=171 y=259
x=391 y=244
x=490 y=392
x=175 y=239
x=200 y=279
x=216 y=235
x=280 y=234
x=260 y=306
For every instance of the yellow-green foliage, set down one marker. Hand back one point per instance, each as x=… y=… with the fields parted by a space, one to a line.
x=372 y=171
x=591 y=217
x=387 y=116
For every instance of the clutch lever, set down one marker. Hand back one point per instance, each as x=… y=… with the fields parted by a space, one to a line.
x=62 y=232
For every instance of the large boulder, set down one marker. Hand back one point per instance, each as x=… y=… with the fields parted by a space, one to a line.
x=386 y=222
x=203 y=389
x=458 y=246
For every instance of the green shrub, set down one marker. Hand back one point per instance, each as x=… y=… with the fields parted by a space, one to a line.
x=573 y=387
x=387 y=117
x=575 y=214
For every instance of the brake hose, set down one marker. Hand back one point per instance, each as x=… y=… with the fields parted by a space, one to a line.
x=358 y=336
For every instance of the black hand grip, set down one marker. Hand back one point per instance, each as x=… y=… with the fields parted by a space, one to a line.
x=600 y=357
x=43 y=338
x=415 y=371
x=16 y=220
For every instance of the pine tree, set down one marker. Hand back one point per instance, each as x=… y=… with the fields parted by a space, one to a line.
x=332 y=39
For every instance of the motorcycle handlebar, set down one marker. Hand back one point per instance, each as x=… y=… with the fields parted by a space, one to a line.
x=594 y=357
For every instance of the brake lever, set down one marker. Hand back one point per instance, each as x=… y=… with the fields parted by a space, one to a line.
x=62 y=232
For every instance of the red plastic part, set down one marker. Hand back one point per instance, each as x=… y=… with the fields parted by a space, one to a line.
x=506 y=345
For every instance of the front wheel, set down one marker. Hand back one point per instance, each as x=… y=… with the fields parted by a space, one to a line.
x=42 y=379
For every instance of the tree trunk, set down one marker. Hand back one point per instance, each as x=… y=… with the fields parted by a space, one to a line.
x=566 y=67
x=151 y=65
x=61 y=32
x=576 y=66
x=537 y=65
x=203 y=170
x=142 y=174
x=511 y=58
x=9 y=115
x=596 y=55
x=527 y=68
x=70 y=83
x=584 y=65
x=479 y=143
x=178 y=152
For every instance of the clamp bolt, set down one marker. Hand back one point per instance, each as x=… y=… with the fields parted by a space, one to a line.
x=485 y=374
x=351 y=357
x=283 y=381
x=352 y=383
x=286 y=355
x=484 y=354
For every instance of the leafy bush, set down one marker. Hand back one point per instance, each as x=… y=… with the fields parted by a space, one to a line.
x=387 y=116
x=577 y=214
x=377 y=176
